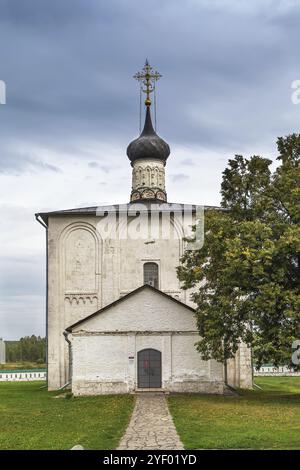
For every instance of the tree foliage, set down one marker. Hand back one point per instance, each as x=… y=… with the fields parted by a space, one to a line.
x=246 y=278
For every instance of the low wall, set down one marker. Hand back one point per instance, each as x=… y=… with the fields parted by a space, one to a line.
x=276 y=374
x=20 y=375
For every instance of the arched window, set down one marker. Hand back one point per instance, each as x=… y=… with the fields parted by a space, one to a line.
x=151 y=274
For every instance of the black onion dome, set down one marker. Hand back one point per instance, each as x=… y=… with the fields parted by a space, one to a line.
x=148 y=144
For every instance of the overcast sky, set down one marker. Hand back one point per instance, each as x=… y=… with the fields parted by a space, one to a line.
x=72 y=107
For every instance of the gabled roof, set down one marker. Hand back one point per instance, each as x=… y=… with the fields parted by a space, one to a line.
x=139 y=206
x=121 y=299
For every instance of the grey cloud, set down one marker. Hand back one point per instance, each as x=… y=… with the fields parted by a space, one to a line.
x=104 y=168
x=22 y=315
x=17 y=163
x=179 y=177
x=22 y=275
x=227 y=69
x=227 y=65
x=87 y=204
x=47 y=166
x=187 y=162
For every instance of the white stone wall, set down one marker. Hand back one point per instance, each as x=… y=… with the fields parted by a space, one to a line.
x=148 y=180
x=105 y=348
x=2 y=351
x=87 y=272
x=103 y=364
x=239 y=369
x=144 y=311
x=148 y=174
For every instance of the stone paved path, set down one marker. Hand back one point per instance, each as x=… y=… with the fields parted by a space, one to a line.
x=151 y=425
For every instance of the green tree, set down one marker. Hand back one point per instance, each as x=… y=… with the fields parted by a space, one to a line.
x=247 y=275
x=29 y=348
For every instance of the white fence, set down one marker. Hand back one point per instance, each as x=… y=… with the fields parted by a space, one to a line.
x=271 y=370
x=22 y=375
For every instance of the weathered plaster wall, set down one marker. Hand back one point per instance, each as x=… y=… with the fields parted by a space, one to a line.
x=148 y=180
x=103 y=364
x=107 y=346
x=87 y=271
x=148 y=174
x=239 y=369
x=145 y=310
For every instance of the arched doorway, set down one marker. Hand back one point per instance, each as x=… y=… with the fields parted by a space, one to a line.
x=149 y=368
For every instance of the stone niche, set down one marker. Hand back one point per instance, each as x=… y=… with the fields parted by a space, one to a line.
x=80 y=261
x=80 y=269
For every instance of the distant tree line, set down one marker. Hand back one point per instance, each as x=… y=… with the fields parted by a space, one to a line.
x=30 y=348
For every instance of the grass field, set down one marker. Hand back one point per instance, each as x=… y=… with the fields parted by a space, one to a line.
x=21 y=365
x=32 y=419
x=260 y=419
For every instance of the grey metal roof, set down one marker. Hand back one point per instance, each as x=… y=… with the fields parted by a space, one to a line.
x=133 y=207
x=124 y=297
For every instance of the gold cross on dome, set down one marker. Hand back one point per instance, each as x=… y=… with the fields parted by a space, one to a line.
x=147 y=77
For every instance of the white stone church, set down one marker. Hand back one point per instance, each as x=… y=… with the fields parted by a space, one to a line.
x=117 y=319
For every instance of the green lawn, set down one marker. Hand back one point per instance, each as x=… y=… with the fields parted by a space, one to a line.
x=260 y=419
x=32 y=419
x=21 y=365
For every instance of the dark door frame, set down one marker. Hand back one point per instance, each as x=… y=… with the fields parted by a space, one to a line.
x=152 y=379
